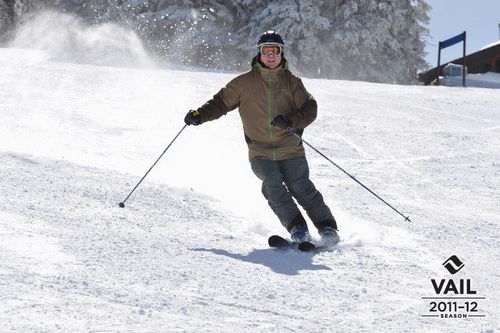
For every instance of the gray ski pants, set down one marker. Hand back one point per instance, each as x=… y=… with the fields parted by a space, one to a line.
x=287 y=179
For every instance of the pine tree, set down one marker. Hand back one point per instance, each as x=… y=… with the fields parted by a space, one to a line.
x=6 y=16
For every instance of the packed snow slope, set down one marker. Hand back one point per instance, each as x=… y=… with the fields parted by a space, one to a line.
x=189 y=253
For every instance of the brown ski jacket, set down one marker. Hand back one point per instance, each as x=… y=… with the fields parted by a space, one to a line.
x=261 y=94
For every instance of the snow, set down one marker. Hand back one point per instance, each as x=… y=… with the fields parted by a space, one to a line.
x=489 y=80
x=490 y=45
x=189 y=252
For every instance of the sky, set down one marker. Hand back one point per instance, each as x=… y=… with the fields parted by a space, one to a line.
x=448 y=18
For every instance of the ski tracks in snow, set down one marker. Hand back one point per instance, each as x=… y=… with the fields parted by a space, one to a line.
x=72 y=260
x=174 y=260
x=168 y=261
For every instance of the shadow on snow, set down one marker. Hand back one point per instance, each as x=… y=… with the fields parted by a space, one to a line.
x=287 y=262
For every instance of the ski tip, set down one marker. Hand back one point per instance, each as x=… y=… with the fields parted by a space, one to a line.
x=306 y=246
x=278 y=241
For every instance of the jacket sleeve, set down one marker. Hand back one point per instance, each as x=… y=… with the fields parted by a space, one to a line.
x=227 y=99
x=307 y=108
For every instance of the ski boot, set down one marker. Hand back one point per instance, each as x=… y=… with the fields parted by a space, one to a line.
x=300 y=234
x=329 y=235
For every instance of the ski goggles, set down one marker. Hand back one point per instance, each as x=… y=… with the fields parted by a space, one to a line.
x=267 y=49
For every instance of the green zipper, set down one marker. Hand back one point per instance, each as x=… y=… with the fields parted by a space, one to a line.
x=271 y=134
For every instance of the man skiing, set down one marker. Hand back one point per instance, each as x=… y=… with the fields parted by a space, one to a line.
x=271 y=100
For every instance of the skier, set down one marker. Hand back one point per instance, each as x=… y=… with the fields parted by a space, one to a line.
x=270 y=100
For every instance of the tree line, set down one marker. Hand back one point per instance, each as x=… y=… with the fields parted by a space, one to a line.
x=373 y=40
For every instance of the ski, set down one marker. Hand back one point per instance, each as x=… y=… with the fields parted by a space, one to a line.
x=307 y=246
x=277 y=241
x=316 y=246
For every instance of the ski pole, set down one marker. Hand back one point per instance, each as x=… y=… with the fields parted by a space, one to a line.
x=122 y=204
x=290 y=130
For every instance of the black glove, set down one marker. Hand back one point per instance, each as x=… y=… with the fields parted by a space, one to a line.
x=281 y=121
x=193 y=117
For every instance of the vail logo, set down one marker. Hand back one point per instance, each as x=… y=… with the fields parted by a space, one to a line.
x=453 y=264
x=460 y=287
x=454 y=296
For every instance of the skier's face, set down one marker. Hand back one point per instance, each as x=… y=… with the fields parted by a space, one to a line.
x=271 y=60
